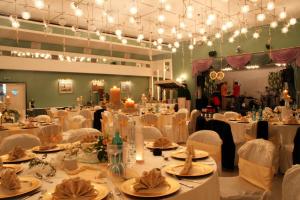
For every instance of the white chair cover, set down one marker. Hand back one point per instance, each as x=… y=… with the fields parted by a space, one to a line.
x=230 y=114
x=149 y=119
x=63 y=118
x=291 y=184
x=25 y=141
x=183 y=110
x=43 y=118
x=75 y=135
x=209 y=141
x=50 y=135
x=178 y=131
x=219 y=116
x=76 y=122
x=192 y=124
x=181 y=102
x=151 y=133
x=88 y=115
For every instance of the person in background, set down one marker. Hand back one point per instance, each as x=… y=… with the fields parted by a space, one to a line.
x=236 y=94
x=224 y=90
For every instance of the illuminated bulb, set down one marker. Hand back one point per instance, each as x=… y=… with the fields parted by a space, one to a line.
x=231 y=39
x=78 y=12
x=274 y=24
x=282 y=15
x=26 y=15
x=169 y=46
x=261 y=17
x=189 y=15
x=99 y=2
x=124 y=41
x=236 y=33
x=255 y=35
x=133 y=10
x=224 y=27
x=159 y=47
x=176 y=44
x=15 y=24
x=131 y=20
x=140 y=37
x=160 y=30
x=218 y=35
x=173 y=50
x=182 y=25
x=160 y=40
x=191 y=47
x=190 y=35
x=190 y=8
x=211 y=17
x=179 y=36
x=270 y=5
x=161 y=18
x=229 y=24
x=208 y=22
x=168 y=7
x=173 y=30
x=102 y=37
x=209 y=43
x=244 y=30
x=202 y=31
x=118 y=32
x=293 y=21
x=204 y=38
x=285 y=29
x=154 y=43
x=245 y=9
x=39 y=4
x=110 y=19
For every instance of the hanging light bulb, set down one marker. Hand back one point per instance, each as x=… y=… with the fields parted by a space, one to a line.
x=273 y=24
x=270 y=5
x=245 y=9
x=26 y=15
x=190 y=35
x=160 y=30
x=209 y=43
x=102 y=37
x=15 y=23
x=140 y=37
x=293 y=21
x=229 y=24
x=224 y=27
x=176 y=44
x=154 y=43
x=161 y=17
x=255 y=35
x=159 y=47
x=168 y=7
x=173 y=30
x=282 y=14
x=218 y=35
x=202 y=31
x=244 y=30
x=133 y=9
x=99 y=2
x=261 y=17
x=124 y=41
x=169 y=46
x=190 y=8
x=211 y=17
x=204 y=38
x=110 y=19
x=191 y=47
x=231 y=39
x=179 y=36
x=182 y=25
x=236 y=33
x=78 y=12
x=160 y=40
x=118 y=32
x=189 y=15
x=174 y=50
x=131 y=20
x=285 y=29
x=39 y=4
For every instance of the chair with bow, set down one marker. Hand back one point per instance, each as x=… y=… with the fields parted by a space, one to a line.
x=149 y=119
x=76 y=135
x=88 y=115
x=192 y=123
x=219 y=116
x=76 y=122
x=63 y=118
x=50 y=135
x=178 y=131
x=43 y=118
x=231 y=115
x=256 y=172
x=291 y=184
x=151 y=133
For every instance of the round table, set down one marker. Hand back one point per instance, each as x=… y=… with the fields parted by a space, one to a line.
x=206 y=187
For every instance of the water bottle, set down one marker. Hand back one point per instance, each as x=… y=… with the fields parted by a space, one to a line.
x=260 y=113
x=253 y=114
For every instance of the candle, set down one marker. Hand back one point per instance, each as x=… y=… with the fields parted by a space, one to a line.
x=139 y=145
x=129 y=103
x=115 y=96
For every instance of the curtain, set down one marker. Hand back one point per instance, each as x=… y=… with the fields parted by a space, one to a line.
x=201 y=65
x=286 y=55
x=239 y=61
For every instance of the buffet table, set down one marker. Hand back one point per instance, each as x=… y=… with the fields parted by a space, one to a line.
x=206 y=187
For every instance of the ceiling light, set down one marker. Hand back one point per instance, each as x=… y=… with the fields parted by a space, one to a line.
x=261 y=17
x=159 y=47
x=209 y=43
x=160 y=40
x=236 y=33
x=182 y=25
x=169 y=46
x=244 y=30
x=179 y=36
x=211 y=17
x=293 y=21
x=209 y=22
x=282 y=14
x=229 y=24
x=110 y=19
x=255 y=35
x=160 y=30
x=161 y=18
x=191 y=47
x=39 y=4
x=224 y=27
x=189 y=15
x=190 y=8
x=78 y=12
x=173 y=30
x=218 y=35
x=204 y=38
x=140 y=37
x=190 y=35
x=285 y=29
x=99 y=2
x=245 y=9
x=132 y=20
x=124 y=41
x=202 y=31
x=270 y=5
x=26 y=15
x=102 y=37
x=133 y=10
x=173 y=50
x=176 y=44
x=15 y=23
x=118 y=32
x=231 y=39
x=73 y=5
x=168 y=7
x=274 y=24
x=154 y=43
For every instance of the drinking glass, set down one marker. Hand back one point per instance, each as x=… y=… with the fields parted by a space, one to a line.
x=116 y=165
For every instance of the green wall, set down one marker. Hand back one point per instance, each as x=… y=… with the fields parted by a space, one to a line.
x=182 y=59
x=43 y=86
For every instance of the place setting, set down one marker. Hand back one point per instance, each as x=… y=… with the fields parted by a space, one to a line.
x=162 y=144
x=17 y=155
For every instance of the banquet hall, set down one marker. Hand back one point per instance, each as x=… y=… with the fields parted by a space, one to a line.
x=150 y=99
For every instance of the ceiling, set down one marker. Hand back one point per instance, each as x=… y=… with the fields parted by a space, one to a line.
x=96 y=17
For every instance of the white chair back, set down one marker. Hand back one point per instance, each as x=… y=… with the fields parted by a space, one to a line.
x=181 y=102
x=151 y=133
x=76 y=135
x=219 y=116
x=256 y=162
x=88 y=116
x=231 y=114
x=183 y=110
x=50 y=135
x=63 y=118
x=192 y=125
x=76 y=122
x=179 y=127
x=43 y=118
x=123 y=125
x=149 y=119
x=291 y=184
x=25 y=141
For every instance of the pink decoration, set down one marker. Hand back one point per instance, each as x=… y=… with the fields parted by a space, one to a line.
x=238 y=61
x=286 y=55
x=201 y=65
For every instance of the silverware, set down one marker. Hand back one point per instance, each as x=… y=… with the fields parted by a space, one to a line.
x=30 y=194
x=186 y=185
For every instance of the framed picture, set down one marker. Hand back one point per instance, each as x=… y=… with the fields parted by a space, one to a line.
x=65 y=86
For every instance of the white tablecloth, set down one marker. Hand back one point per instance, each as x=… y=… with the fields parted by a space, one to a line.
x=206 y=187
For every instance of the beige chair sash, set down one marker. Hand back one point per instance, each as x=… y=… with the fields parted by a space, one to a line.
x=180 y=129
x=258 y=175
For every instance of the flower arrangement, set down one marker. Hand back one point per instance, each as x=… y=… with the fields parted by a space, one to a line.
x=101 y=147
